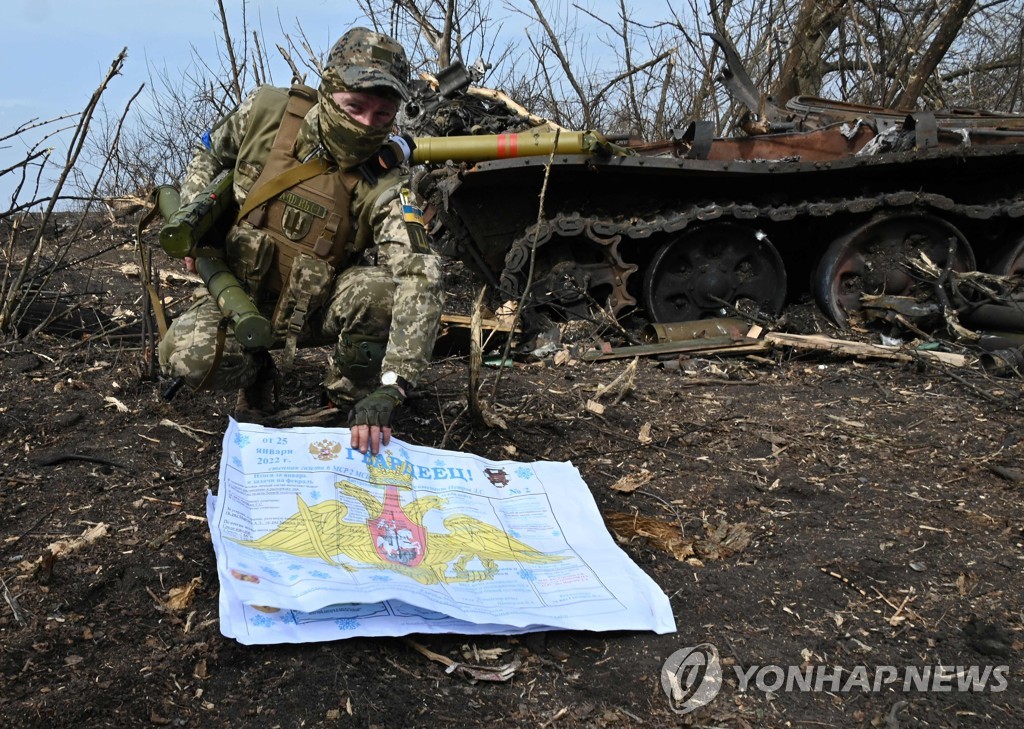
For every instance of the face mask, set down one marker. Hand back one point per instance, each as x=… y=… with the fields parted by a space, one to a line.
x=348 y=141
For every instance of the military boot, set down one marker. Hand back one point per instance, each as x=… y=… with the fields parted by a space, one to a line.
x=259 y=401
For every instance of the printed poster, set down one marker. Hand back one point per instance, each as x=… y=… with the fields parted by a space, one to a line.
x=315 y=541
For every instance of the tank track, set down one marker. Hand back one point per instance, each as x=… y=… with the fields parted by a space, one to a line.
x=449 y=234
x=608 y=232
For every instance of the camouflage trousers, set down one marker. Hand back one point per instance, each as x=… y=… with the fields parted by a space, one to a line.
x=359 y=307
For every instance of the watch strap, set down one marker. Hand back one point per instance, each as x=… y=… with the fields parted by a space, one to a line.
x=399 y=380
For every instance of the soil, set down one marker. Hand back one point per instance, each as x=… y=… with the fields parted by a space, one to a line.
x=798 y=509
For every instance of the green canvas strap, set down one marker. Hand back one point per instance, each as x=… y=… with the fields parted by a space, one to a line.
x=222 y=335
x=144 y=271
x=288 y=178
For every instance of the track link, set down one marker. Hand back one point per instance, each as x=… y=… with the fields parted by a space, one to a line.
x=608 y=233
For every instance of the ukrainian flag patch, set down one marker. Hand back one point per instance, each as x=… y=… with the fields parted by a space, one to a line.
x=412 y=214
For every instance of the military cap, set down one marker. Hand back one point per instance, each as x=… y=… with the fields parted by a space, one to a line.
x=363 y=60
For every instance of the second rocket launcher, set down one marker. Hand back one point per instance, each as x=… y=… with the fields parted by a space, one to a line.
x=484 y=147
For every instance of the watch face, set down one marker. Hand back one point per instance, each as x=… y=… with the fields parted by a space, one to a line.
x=389 y=378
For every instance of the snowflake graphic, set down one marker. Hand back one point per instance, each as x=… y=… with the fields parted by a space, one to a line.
x=236 y=461
x=524 y=472
x=270 y=572
x=315 y=494
x=241 y=440
x=556 y=533
x=513 y=533
x=261 y=621
x=347 y=624
x=404 y=454
x=527 y=575
x=319 y=573
x=439 y=463
x=295 y=567
x=288 y=618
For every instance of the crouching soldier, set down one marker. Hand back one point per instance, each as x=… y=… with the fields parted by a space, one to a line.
x=328 y=243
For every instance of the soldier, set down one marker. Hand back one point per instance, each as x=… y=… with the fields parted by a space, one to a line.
x=328 y=242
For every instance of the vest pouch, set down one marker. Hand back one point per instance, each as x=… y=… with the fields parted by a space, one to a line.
x=246 y=174
x=250 y=254
x=305 y=290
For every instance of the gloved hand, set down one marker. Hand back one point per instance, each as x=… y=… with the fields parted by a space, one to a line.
x=370 y=418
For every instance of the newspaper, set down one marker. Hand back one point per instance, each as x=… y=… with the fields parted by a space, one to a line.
x=315 y=541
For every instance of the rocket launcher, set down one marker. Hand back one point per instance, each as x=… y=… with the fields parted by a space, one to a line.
x=185 y=226
x=486 y=147
x=181 y=236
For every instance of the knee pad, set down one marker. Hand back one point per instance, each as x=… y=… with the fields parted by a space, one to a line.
x=359 y=357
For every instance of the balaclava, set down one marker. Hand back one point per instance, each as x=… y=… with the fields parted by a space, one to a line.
x=361 y=60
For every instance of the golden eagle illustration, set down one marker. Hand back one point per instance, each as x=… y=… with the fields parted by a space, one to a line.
x=393 y=536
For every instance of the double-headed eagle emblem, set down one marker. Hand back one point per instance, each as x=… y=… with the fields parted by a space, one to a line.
x=393 y=535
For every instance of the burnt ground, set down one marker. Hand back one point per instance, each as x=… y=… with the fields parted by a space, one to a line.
x=825 y=511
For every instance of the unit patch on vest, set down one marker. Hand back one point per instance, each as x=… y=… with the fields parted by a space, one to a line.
x=306 y=206
x=298 y=215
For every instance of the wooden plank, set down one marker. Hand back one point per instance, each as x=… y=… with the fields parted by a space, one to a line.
x=453 y=336
x=861 y=349
x=460 y=320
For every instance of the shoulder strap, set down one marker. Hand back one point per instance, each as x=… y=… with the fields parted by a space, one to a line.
x=301 y=99
x=288 y=178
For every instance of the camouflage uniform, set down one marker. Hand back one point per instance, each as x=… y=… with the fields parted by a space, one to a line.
x=389 y=291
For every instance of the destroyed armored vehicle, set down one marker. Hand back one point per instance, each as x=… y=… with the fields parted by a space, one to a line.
x=819 y=197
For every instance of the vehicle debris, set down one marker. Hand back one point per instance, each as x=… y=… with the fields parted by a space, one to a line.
x=695 y=227
x=658 y=332
x=716 y=345
x=719 y=541
x=467 y=670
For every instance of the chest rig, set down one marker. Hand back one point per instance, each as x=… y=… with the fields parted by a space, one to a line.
x=311 y=217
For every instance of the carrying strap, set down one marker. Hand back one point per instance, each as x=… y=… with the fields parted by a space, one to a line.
x=145 y=271
x=295 y=324
x=288 y=178
x=222 y=335
x=301 y=99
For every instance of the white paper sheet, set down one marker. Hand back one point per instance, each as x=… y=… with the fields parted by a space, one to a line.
x=331 y=544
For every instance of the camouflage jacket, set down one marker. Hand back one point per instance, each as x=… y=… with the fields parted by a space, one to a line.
x=376 y=213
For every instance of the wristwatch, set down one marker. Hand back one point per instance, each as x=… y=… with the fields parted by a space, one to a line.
x=393 y=378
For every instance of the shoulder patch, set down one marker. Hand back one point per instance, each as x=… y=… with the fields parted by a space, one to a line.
x=413 y=216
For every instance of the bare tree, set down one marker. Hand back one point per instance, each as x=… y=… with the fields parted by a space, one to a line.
x=37 y=158
x=902 y=52
x=621 y=76
x=437 y=33
x=948 y=27
x=804 y=67
x=15 y=289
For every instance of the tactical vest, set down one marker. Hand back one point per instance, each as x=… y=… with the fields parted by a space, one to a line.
x=308 y=222
x=311 y=217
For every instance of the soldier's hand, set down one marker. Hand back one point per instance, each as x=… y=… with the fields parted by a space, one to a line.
x=190 y=264
x=370 y=419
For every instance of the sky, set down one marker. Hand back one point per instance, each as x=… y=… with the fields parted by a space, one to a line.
x=55 y=53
